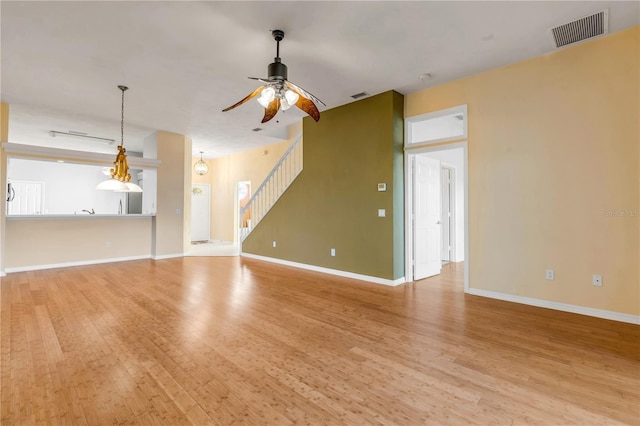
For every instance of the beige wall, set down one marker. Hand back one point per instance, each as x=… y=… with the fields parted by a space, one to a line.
x=173 y=215
x=225 y=173
x=553 y=147
x=4 y=137
x=4 y=122
x=37 y=242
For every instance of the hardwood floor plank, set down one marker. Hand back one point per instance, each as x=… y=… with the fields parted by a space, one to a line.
x=238 y=341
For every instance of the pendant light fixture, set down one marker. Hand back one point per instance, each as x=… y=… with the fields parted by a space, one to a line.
x=119 y=181
x=201 y=167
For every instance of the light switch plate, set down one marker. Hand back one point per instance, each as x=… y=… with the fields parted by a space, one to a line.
x=382 y=212
x=382 y=187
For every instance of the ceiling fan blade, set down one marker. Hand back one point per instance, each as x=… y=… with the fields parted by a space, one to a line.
x=264 y=80
x=301 y=91
x=271 y=110
x=252 y=95
x=304 y=103
x=309 y=107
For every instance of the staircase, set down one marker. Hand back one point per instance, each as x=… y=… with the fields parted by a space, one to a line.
x=277 y=181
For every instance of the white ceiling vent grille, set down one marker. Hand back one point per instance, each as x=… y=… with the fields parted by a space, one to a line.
x=581 y=29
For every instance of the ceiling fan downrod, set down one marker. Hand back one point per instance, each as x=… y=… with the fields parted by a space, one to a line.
x=278 y=36
x=277 y=70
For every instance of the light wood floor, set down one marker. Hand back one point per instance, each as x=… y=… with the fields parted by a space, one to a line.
x=238 y=341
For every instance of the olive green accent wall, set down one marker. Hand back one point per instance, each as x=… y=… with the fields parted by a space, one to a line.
x=334 y=202
x=398 y=186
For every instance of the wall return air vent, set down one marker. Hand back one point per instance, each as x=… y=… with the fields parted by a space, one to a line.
x=581 y=29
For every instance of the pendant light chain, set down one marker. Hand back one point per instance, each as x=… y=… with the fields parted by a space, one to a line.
x=123 y=89
x=122 y=121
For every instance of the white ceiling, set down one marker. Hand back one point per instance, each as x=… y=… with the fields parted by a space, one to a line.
x=186 y=61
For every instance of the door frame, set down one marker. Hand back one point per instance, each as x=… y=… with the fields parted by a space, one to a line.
x=453 y=206
x=408 y=197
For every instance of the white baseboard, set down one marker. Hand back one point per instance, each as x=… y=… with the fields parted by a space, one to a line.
x=167 y=256
x=77 y=263
x=582 y=310
x=337 y=272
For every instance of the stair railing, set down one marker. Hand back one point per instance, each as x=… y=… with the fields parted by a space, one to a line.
x=274 y=185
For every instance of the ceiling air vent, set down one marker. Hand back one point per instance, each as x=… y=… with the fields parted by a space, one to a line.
x=581 y=29
x=359 y=95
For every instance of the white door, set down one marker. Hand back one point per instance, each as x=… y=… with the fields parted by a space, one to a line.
x=24 y=197
x=427 y=211
x=200 y=212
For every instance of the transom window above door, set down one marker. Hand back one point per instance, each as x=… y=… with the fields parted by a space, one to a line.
x=438 y=126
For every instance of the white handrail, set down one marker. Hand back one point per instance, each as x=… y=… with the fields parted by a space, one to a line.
x=274 y=185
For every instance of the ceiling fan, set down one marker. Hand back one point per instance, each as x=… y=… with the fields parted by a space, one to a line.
x=278 y=92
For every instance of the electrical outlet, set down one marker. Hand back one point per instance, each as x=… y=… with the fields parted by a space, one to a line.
x=107 y=244
x=274 y=243
x=597 y=280
x=550 y=274
x=382 y=212
x=333 y=252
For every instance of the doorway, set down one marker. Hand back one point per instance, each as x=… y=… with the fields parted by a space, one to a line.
x=427 y=220
x=436 y=209
x=244 y=195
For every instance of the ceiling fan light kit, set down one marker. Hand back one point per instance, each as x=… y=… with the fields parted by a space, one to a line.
x=278 y=93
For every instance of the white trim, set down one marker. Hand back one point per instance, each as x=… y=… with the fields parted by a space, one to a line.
x=77 y=263
x=167 y=256
x=565 y=307
x=19 y=149
x=409 y=143
x=337 y=272
x=3 y=274
x=408 y=190
x=453 y=251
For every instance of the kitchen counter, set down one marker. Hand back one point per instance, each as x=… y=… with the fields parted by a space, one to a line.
x=78 y=216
